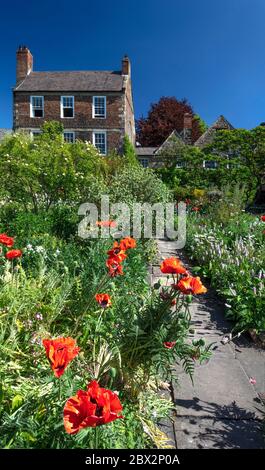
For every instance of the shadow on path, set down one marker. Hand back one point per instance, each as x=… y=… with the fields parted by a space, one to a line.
x=238 y=429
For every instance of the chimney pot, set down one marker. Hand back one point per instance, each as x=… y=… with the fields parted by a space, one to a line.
x=188 y=121
x=126 y=66
x=187 y=128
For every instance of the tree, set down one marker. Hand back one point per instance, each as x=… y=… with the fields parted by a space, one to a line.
x=129 y=152
x=41 y=173
x=164 y=117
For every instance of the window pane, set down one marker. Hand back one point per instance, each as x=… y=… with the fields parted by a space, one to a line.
x=68 y=102
x=99 y=106
x=35 y=134
x=37 y=105
x=144 y=162
x=68 y=112
x=38 y=112
x=100 y=142
x=37 y=101
x=69 y=137
x=67 y=106
x=210 y=164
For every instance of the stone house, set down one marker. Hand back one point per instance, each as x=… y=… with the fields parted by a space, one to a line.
x=155 y=157
x=96 y=106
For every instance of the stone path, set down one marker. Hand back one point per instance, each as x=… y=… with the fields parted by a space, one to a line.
x=222 y=410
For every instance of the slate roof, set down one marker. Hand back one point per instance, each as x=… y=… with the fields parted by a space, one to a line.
x=220 y=124
x=145 y=151
x=72 y=81
x=166 y=144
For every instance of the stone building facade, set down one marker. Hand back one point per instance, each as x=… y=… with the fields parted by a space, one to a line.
x=156 y=157
x=96 y=106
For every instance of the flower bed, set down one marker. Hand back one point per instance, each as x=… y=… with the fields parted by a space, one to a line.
x=232 y=256
x=85 y=343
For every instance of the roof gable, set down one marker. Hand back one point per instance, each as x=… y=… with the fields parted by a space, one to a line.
x=208 y=136
x=172 y=139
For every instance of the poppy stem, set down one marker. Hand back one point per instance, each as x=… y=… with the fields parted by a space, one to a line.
x=96 y=438
x=60 y=389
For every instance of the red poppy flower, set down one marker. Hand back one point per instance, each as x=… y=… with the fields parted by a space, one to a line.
x=13 y=254
x=60 y=352
x=262 y=218
x=106 y=223
x=196 y=209
x=7 y=241
x=103 y=300
x=91 y=408
x=191 y=285
x=127 y=243
x=169 y=344
x=117 y=253
x=172 y=266
x=114 y=267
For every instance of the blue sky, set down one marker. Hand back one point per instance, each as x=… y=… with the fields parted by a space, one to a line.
x=211 y=52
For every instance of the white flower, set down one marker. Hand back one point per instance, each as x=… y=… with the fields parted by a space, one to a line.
x=40 y=249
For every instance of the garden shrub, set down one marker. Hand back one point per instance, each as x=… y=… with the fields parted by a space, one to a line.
x=138 y=184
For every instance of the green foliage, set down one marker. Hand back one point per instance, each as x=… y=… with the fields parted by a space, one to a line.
x=242 y=152
x=138 y=184
x=201 y=123
x=229 y=204
x=239 y=156
x=183 y=180
x=39 y=174
x=129 y=152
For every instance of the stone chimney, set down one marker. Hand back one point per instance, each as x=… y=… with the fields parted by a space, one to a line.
x=187 y=128
x=126 y=66
x=24 y=63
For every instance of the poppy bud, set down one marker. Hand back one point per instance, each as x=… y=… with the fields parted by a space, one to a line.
x=113 y=372
x=156 y=285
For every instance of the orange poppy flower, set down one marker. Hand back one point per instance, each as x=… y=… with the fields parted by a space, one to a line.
x=91 y=408
x=114 y=267
x=172 y=266
x=60 y=352
x=117 y=253
x=5 y=240
x=127 y=243
x=13 y=254
x=103 y=300
x=106 y=223
x=191 y=285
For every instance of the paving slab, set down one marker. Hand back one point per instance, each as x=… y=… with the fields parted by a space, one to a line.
x=209 y=433
x=221 y=389
x=252 y=360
